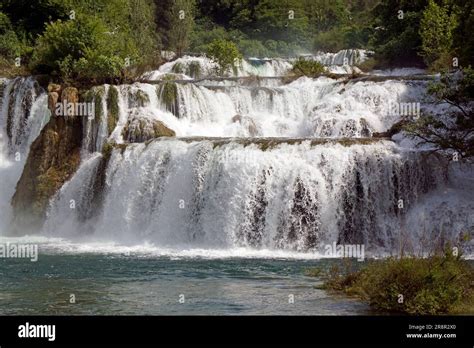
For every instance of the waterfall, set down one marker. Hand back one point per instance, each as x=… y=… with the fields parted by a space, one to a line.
x=178 y=193
x=96 y=129
x=191 y=67
x=24 y=113
x=307 y=107
x=256 y=165
x=343 y=57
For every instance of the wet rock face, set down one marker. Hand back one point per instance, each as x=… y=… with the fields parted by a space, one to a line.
x=248 y=123
x=140 y=130
x=53 y=159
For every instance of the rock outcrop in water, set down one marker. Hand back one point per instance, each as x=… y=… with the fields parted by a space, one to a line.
x=53 y=158
x=139 y=130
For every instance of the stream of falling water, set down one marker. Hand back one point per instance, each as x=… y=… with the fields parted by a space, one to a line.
x=248 y=194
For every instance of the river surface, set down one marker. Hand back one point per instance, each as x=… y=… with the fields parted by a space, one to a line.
x=132 y=282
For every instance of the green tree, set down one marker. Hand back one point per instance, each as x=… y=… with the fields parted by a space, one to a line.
x=455 y=130
x=396 y=38
x=29 y=17
x=225 y=54
x=181 y=21
x=463 y=38
x=436 y=31
x=10 y=45
x=81 y=48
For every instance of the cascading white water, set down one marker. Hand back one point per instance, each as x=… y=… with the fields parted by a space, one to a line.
x=95 y=129
x=247 y=192
x=320 y=107
x=191 y=67
x=184 y=194
x=24 y=113
x=343 y=57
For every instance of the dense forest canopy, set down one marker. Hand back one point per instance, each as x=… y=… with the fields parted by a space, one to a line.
x=104 y=39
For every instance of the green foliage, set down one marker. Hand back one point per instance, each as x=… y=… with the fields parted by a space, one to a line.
x=112 y=108
x=276 y=28
x=455 y=132
x=436 y=31
x=82 y=48
x=10 y=44
x=95 y=95
x=225 y=54
x=75 y=39
x=108 y=31
x=463 y=40
x=396 y=39
x=181 y=22
x=178 y=68
x=329 y=41
x=107 y=150
x=205 y=31
x=194 y=70
x=167 y=93
x=255 y=48
x=310 y=68
x=30 y=17
x=434 y=285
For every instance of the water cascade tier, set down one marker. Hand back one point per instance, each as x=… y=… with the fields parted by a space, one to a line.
x=235 y=193
x=235 y=163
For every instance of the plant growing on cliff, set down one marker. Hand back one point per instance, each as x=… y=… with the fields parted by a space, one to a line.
x=454 y=132
x=112 y=108
x=225 y=54
x=167 y=93
x=310 y=68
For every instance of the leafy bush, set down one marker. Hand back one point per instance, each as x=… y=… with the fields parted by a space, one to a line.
x=81 y=48
x=436 y=31
x=434 y=285
x=253 y=48
x=10 y=44
x=225 y=54
x=310 y=68
x=205 y=33
x=329 y=41
x=396 y=38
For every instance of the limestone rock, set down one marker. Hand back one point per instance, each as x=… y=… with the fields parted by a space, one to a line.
x=52 y=87
x=52 y=101
x=138 y=130
x=53 y=158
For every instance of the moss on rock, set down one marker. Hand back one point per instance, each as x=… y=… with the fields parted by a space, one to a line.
x=139 y=130
x=112 y=108
x=167 y=92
